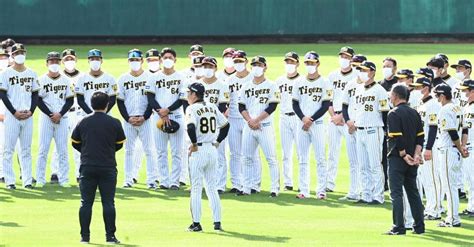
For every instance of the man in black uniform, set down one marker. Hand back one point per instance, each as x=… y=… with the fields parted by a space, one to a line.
x=406 y=137
x=98 y=137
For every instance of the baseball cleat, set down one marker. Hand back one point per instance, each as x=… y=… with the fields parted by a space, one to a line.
x=157 y=182
x=33 y=180
x=163 y=187
x=447 y=224
x=112 y=240
x=127 y=185
x=375 y=202
x=2 y=180
x=182 y=184
x=253 y=191
x=289 y=188
x=54 y=179
x=431 y=217
x=78 y=180
x=135 y=181
x=174 y=187
x=233 y=190
x=462 y=194
x=220 y=192
x=361 y=201
x=195 y=227
x=394 y=232
x=301 y=196
x=152 y=186
x=273 y=194
x=218 y=227
x=29 y=187
x=241 y=193
x=329 y=190
x=11 y=187
x=322 y=196
x=85 y=240
x=466 y=212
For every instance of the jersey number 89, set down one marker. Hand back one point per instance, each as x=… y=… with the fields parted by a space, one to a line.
x=207 y=125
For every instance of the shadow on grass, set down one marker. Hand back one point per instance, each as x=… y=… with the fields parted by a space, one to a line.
x=448 y=236
x=121 y=244
x=9 y=224
x=250 y=237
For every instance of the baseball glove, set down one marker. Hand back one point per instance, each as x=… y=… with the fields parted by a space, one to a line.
x=172 y=128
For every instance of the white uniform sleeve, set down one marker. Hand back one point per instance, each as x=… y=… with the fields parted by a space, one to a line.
x=224 y=93
x=448 y=121
x=328 y=91
x=79 y=89
x=242 y=99
x=41 y=92
x=183 y=87
x=190 y=116
x=68 y=93
x=295 y=94
x=121 y=91
x=150 y=86
x=35 y=85
x=383 y=100
x=275 y=94
x=432 y=115
x=221 y=119
x=113 y=87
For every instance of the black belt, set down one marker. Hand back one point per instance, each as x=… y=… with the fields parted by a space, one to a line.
x=365 y=128
x=202 y=143
x=290 y=113
x=337 y=112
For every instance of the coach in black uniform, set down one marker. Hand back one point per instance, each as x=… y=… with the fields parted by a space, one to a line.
x=406 y=137
x=98 y=137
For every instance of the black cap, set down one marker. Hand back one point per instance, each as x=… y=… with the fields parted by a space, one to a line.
x=405 y=73
x=18 y=47
x=422 y=81
x=442 y=56
x=311 y=56
x=258 y=59
x=152 y=53
x=54 y=55
x=463 y=62
x=135 y=53
x=436 y=62
x=347 y=50
x=367 y=65
x=292 y=56
x=443 y=89
x=358 y=59
x=198 y=60
x=426 y=72
x=3 y=52
x=228 y=51
x=240 y=55
x=94 y=53
x=69 y=52
x=198 y=88
x=466 y=84
x=196 y=48
x=210 y=60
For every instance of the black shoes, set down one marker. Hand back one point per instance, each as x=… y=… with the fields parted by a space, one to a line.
x=431 y=217
x=273 y=194
x=11 y=187
x=462 y=195
x=2 y=180
x=127 y=185
x=85 y=240
x=135 y=181
x=54 y=179
x=329 y=190
x=234 y=190
x=218 y=227
x=467 y=213
x=253 y=191
x=448 y=224
x=289 y=188
x=152 y=186
x=195 y=227
x=241 y=193
x=112 y=240
x=174 y=187
x=375 y=202
x=182 y=184
x=163 y=187
x=220 y=192
x=28 y=187
x=395 y=232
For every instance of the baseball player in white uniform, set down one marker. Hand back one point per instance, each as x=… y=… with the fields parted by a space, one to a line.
x=75 y=114
x=19 y=92
x=468 y=89
x=463 y=72
x=217 y=93
x=55 y=100
x=311 y=100
x=288 y=119
x=429 y=172
x=258 y=100
x=207 y=128
x=450 y=126
x=405 y=77
x=4 y=60
x=227 y=56
x=235 y=82
x=133 y=106
x=165 y=94
x=370 y=119
x=450 y=80
x=336 y=129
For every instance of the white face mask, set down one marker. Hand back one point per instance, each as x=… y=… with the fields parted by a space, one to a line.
x=228 y=62
x=311 y=69
x=3 y=64
x=199 y=72
x=54 y=68
x=135 y=65
x=460 y=75
x=290 y=68
x=435 y=73
x=257 y=71
x=70 y=65
x=94 y=65
x=344 y=63
x=239 y=67
x=154 y=65
x=168 y=63
x=208 y=73
x=364 y=76
x=387 y=73
x=19 y=59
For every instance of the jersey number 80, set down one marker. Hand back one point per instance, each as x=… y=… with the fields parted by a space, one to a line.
x=207 y=124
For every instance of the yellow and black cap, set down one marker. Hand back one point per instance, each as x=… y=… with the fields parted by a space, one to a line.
x=463 y=62
x=367 y=65
x=197 y=88
x=18 y=47
x=466 y=84
x=198 y=60
x=239 y=55
x=358 y=59
x=311 y=56
x=228 y=51
x=152 y=53
x=405 y=73
x=292 y=56
x=4 y=52
x=54 y=55
x=422 y=81
x=196 y=48
x=426 y=72
x=347 y=50
x=69 y=52
x=436 y=62
x=135 y=53
x=259 y=59
x=210 y=60
x=442 y=56
x=443 y=89
x=94 y=53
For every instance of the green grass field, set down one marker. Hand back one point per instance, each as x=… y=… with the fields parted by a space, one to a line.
x=49 y=216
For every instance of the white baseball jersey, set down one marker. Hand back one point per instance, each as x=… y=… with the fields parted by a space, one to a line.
x=222 y=75
x=414 y=99
x=235 y=85
x=311 y=93
x=207 y=119
x=167 y=89
x=458 y=96
x=257 y=97
x=349 y=99
x=371 y=100
x=2 y=108
x=54 y=92
x=285 y=85
x=450 y=117
x=216 y=92
x=19 y=87
x=451 y=81
x=339 y=81
x=428 y=110
x=88 y=84
x=132 y=92
x=469 y=122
